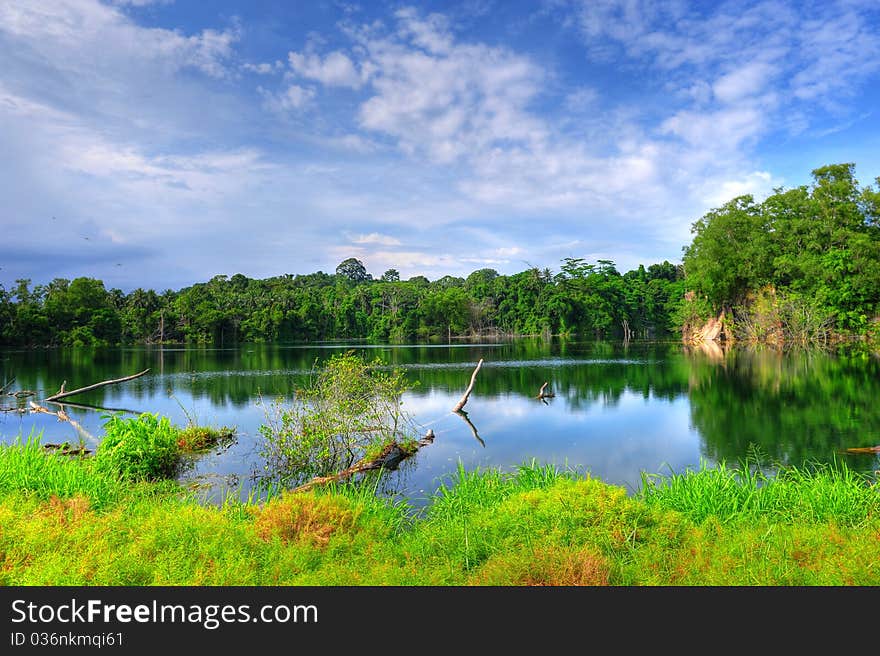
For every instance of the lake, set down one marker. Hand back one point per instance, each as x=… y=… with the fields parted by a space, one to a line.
x=619 y=409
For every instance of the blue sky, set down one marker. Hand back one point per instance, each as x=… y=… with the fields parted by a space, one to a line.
x=159 y=143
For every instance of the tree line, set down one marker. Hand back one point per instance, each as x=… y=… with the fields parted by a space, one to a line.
x=582 y=298
x=801 y=265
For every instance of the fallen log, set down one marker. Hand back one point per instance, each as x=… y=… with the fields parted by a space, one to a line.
x=864 y=449
x=66 y=450
x=470 y=387
x=389 y=459
x=62 y=394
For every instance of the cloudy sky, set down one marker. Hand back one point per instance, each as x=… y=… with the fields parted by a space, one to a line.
x=158 y=143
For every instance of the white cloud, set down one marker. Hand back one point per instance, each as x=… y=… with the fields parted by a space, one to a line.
x=758 y=184
x=263 y=68
x=743 y=82
x=78 y=35
x=838 y=52
x=430 y=33
x=334 y=70
x=374 y=238
x=294 y=97
x=724 y=129
x=443 y=99
x=581 y=100
x=829 y=50
x=408 y=262
x=410 y=146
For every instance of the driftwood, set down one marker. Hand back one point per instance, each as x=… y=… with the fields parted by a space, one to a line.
x=62 y=394
x=545 y=395
x=463 y=415
x=390 y=458
x=62 y=416
x=7 y=385
x=467 y=393
x=67 y=450
x=864 y=449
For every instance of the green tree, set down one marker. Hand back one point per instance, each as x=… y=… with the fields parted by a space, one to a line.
x=729 y=253
x=353 y=270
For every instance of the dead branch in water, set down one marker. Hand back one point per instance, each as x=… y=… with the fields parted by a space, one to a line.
x=62 y=394
x=7 y=385
x=62 y=416
x=66 y=450
x=467 y=392
x=391 y=456
x=863 y=449
x=545 y=395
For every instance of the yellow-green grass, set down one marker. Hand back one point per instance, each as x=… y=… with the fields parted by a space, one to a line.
x=535 y=526
x=193 y=438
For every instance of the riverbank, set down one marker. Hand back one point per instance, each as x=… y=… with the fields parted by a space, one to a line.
x=67 y=523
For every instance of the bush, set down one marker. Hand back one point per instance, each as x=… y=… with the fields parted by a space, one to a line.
x=138 y=448
x=352 y=410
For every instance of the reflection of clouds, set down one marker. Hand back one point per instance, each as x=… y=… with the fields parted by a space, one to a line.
x=579 y=428
x=615 y=443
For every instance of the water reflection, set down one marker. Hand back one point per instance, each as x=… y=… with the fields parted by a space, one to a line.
x=618 y=409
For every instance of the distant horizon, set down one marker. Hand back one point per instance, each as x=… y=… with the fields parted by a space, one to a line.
x=156 y=144
x=376 y=277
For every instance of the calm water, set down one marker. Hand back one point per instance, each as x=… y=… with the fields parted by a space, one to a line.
x=619 y=410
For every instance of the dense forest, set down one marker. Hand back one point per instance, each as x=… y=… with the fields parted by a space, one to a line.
x=802 y=265
x=348 y=304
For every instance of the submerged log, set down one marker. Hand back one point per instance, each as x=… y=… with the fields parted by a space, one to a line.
x=66 y=450
x=389 y=459
x=470 y=387
x=62 y=394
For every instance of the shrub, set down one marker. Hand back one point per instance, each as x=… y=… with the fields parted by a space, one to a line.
x=352 y=410
x=138 y=448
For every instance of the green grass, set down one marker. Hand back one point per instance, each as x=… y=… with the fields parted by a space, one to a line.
x=65 y=522
x=810 y=494
x=194 y=438
x=26 y=468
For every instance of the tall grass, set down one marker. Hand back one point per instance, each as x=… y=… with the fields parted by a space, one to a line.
x=65 y=522
x=25 y=466
x=813 y=493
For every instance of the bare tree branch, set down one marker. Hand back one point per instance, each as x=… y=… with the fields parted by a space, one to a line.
x=62 y=394
x=467 y=393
